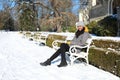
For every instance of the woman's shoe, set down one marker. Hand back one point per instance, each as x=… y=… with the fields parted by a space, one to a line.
x=63 y=64
x=46 y=63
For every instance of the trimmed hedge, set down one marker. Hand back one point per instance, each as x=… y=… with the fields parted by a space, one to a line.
x=109 y=61
x=106 y=55
x=107 y=44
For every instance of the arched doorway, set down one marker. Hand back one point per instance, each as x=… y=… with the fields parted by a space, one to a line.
x=115 y=4
x=112 y=6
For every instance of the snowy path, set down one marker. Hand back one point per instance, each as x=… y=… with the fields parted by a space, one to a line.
x=20 y=58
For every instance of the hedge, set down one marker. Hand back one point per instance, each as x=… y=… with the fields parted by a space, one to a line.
x=106 y=60
x=105 y=54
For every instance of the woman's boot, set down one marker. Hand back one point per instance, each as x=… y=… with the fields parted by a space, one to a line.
x=62 y=64
x=63 y=61
x=46 y=63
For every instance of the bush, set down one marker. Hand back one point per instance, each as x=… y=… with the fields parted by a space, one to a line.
x=70 y=29
x=105 y=55
x=92 y=27
x=109 y=23
x=107 y=44
x=106 y=61
x=105 y=27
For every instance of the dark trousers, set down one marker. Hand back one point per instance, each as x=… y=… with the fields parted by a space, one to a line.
x=61 y=51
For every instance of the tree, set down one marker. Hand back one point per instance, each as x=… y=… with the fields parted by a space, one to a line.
x=6 y=20
x=49 y=14
x=26 y=15
x=55 y=13
x=1 y=20
x=9 y=24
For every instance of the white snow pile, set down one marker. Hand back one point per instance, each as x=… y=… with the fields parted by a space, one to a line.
x=20 y=58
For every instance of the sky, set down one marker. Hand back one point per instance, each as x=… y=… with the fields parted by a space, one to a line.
x=10 y=2
x=76 y=6
x=20 y=58
x=0 y=5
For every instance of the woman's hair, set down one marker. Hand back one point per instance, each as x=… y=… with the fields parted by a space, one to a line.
x=78 y=33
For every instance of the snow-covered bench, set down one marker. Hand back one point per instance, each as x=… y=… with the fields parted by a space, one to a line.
x=42 y=38
x=31 y=36
x=74 y=54
x=73 y=51
x=39 y=37
x=25 y=34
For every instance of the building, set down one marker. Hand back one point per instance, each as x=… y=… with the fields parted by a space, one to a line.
x=103 y=8
x=98 y=9
x=95 y=10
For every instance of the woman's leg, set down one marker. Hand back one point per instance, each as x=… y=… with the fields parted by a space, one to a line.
x=63 y=48
x=48 y=61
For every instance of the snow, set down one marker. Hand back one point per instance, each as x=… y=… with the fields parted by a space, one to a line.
x=107 y=38
x=20 y=58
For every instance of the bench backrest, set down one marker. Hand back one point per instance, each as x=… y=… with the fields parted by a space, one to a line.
x=43 y=37
x=89 y=41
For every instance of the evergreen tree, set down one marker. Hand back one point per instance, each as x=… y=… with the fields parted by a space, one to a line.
x=9 y=24
x=26 y=16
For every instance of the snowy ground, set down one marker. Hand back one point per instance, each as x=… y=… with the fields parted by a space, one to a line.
x=20 y=58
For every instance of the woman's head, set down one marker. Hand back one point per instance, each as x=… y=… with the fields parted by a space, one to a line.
x=80 y=25
x=80 y=28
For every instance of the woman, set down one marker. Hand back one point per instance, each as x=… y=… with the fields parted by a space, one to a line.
x=79 y=39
